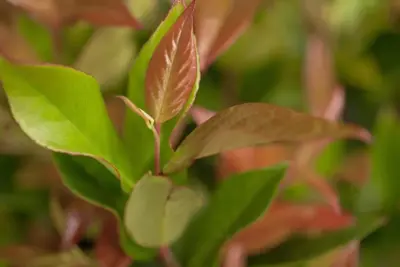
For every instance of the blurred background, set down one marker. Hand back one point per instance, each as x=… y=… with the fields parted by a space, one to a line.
x=297 y=54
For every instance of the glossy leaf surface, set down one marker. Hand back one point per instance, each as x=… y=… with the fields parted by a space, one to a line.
x=62 y=109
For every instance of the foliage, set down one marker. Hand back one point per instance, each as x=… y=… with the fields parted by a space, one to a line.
x=199 y=133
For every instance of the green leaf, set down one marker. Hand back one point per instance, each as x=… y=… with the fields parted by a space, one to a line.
x=93 y=182
x=157 y=213
x=172 y=70
x=252 y=124
x=90 y=180
x=138 y=138
x=238 y=201
x=63 y=110
x=382 y=190
x=303 y=248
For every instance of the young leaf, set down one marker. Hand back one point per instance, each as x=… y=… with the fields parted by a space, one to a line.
x=139 y=139
x=303 y=248
x=157 y=212
x=238 y=202
x=252 y=124
x=62 y=109
x=93 y=182
x=172 y=70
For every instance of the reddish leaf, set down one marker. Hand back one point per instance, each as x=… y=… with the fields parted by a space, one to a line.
x=107 y=250
x=319 y=76
x=172 y=70
x=254 y=124
x=236 y=22
x=12 y=44
x=243 y=159
x=200 y=114
x=356 y=168
x=78 y=216
x=58 y=13
x=348 y=256
x=235 y=256
x=284 y=219
x=209 y=17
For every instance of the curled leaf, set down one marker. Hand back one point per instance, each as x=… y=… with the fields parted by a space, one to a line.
x=253 y=124
x=172 y=70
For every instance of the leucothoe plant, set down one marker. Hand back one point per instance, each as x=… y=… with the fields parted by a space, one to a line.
x=142 y=178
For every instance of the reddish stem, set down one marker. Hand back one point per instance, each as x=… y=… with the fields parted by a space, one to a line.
x=168 y=257
x=157 y=149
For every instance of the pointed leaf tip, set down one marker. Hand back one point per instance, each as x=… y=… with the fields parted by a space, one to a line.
x=253 y=124
x=172 y=70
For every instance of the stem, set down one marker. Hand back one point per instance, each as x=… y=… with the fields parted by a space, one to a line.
x=157 y=149
x=168 y=257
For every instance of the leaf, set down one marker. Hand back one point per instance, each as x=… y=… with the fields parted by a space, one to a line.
x=56 y=106
x=78 y=217
x=114 y=46
x=157 y=212
x=284 y=219
x=236 y=22
x=58 y=13
x=143 y=150
x=93 y=182
x=12 y=45
x=247 y=195
x=172 y=70
x=252 y=124
x=90 y=180
x=209 y=19
x=319 y=74
x=304 y=248
x=381 y=191
x=107 y=249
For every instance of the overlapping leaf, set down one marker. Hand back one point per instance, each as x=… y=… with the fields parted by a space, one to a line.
x=248 y=194
x=172 y=70
x=254 y=124
x=55 y=107
x=142 y=150
x=157 y=213
x=96 y=184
